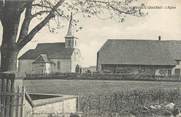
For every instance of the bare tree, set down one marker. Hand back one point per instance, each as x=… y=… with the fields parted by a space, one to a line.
x=47 y=11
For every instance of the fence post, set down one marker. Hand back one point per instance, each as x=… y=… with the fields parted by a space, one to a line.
x=7 y=98
x=11 y=98
x=17 y=102
x=2 y=97
x=22 y=101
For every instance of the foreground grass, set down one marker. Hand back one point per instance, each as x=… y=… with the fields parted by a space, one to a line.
x=106 y=98
x=135 y=103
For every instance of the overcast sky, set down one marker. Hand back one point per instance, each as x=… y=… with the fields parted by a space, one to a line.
x=164 y=22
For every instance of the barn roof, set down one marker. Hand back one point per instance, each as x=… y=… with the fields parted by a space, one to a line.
x=52 y=50
x=140 y=52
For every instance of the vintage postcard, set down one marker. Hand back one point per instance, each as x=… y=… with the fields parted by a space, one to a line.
x=90 y=58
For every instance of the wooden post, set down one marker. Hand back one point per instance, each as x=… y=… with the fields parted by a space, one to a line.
x=7 y=98
x=3 y=98
x=22 y=101
x=17 y=102
x=6 y=94
x=11 y=98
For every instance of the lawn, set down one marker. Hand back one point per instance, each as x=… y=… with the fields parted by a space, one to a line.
x=93 y=87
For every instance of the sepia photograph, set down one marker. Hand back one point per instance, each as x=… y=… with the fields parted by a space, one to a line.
x=90 y=58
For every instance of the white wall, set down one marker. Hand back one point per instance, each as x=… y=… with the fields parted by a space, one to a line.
x=178 y=66
x=48 y=68
x=76 y=59
x=65 y=106
x=70 y=105
x=27 y=109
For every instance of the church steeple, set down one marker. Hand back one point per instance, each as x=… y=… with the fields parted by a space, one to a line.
x=70 y=39
x=70 y=28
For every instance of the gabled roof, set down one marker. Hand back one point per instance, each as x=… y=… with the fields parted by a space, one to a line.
x=52 y=50
x=140 y=52
x=42 y=58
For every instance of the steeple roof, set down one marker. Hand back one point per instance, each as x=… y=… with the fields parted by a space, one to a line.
x=70 y=28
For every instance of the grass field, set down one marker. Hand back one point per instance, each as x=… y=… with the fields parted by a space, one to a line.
x=93 y=87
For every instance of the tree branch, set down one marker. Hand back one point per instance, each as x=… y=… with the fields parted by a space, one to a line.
x=108 y=4
x=37 y=28
x=40 y=13
x=26 y=23
x=41 y=5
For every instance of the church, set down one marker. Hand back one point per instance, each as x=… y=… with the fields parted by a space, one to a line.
x=49 y=58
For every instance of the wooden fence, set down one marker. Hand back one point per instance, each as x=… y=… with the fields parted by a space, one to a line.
x=77 y=114
x=102 y=76
x=11 y=97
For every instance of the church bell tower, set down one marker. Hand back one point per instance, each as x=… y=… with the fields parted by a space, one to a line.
x=70 y=39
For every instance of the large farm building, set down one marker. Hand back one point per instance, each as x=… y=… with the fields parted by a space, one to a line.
x=152 y=57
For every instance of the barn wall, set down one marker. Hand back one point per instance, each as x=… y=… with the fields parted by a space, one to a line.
x=137 y=69
x=178 y=67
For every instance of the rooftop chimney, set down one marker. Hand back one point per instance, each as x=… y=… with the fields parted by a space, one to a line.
x=159 y=38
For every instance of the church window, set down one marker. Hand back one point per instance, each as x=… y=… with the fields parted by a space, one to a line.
x=69 y=43
x=58 y=65
x=178 y=62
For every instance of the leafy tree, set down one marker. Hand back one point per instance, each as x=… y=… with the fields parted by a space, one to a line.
x=17 y=35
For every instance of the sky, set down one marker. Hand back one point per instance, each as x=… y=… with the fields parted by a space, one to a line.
x=165 y=22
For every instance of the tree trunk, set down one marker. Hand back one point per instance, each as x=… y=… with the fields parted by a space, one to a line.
x=9 y=51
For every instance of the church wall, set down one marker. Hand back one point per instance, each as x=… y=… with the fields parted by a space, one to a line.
x=25 y=66
x=65 y=65
x=41 y=68
x=76 y=60
x=38 y=68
